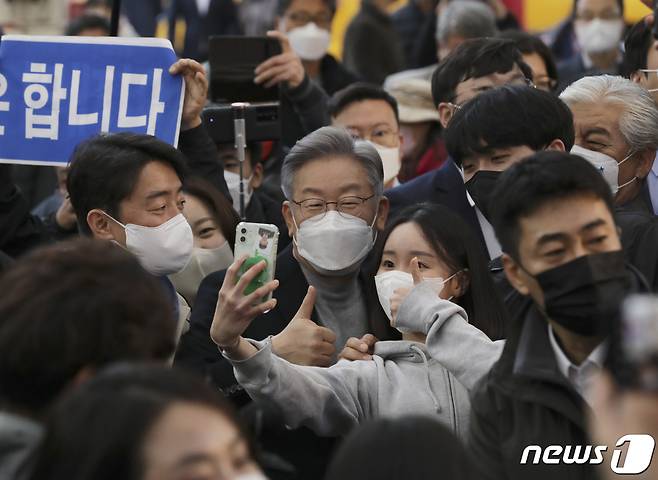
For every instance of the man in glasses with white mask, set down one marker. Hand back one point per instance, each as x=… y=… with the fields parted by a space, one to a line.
x=334 y=208
x=370 y=113
x=616 y=125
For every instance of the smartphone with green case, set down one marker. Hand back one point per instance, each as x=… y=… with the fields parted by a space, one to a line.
x=259 y=241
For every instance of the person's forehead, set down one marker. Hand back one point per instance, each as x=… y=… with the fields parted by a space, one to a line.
x=156 y=176
x=600 y=115
x=309 y=6
x=565 y=216
x=596 y=5
x=332 y=173
x=536 y=64
x=366 y=113
x=492 y=79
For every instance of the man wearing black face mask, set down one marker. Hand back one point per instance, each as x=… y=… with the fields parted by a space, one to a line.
x=554 y=218
x=497 y=129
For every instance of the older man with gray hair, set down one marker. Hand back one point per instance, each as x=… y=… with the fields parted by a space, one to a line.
x=334 y=208
x=461 y=21
x=616 y=125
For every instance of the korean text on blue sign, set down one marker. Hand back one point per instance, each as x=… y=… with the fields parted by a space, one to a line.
x=58 y=91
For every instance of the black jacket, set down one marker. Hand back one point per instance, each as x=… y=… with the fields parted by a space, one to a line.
x=372 y=49
x=303 y=110
x=444 y=186
x=524 y=400
x=196 y=351
x=334 y=76
x=639 y=235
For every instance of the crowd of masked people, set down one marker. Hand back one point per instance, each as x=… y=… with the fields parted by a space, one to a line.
x=463 y=210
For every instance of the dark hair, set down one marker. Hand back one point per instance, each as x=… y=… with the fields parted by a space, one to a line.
x=254 y=149
x=220 y=208
x=83 y=303
x=529 y=44
x=456 y=246
x=97 y=432
x=474 y=59
x=88 y=22
x=104 y=171
x=283 y=5
x=639 y=40
x=359 y=92
x=508 y=116
x=410 y=447
x=539 y=179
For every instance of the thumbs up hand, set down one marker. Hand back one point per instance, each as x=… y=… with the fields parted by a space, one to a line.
x=400 y=294
x=303 y=342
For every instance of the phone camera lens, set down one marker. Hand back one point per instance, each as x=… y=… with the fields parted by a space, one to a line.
x=244 y=230
x=242 y=239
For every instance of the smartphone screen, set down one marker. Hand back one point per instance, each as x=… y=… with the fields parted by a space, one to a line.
x=233 y=60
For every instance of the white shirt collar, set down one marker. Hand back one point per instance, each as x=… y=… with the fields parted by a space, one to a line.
x=596 y=358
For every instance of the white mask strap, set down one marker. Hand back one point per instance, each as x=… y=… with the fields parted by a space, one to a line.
x=113 y=219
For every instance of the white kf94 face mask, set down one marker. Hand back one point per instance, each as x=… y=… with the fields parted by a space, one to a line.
x=605 y=164
x=310 y=42
x=334 y=243
x=203 y=262
x=161 y=250
x=390 y=160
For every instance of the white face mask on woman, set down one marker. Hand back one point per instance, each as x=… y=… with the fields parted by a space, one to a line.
x=161 y=250
x=596 y=36
x=203 y=262
x=310 y=42
x=388 y=282
x=334 y=242
x=605 y=164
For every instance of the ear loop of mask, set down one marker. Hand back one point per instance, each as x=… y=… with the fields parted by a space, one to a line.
x=453 y=276
x=619 y=187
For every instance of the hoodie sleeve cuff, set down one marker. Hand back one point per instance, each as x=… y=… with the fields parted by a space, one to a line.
x=254 y=371
x=423 y=308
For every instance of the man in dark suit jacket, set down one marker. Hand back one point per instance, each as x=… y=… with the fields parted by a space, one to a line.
x=473 y=67
x=335 y=205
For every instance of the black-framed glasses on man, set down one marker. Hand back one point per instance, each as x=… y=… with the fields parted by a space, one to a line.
x=345 y=206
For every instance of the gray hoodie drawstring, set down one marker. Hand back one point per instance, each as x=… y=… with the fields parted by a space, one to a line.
x=419 y=351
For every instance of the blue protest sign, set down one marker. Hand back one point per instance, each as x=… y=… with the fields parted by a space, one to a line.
x=57 y=91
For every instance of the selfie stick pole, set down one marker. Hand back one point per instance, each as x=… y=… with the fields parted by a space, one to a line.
x=655 y=19
x=241 y=146
x=116 y=13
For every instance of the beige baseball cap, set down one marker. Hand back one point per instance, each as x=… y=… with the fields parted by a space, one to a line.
x=414 y=97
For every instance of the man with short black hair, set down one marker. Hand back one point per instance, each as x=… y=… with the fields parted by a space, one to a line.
x=473 y=67
x=67 y=311
x=554 y=218
x=370 y=113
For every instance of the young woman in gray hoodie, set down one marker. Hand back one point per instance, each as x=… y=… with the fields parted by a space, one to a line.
x=429 y=372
